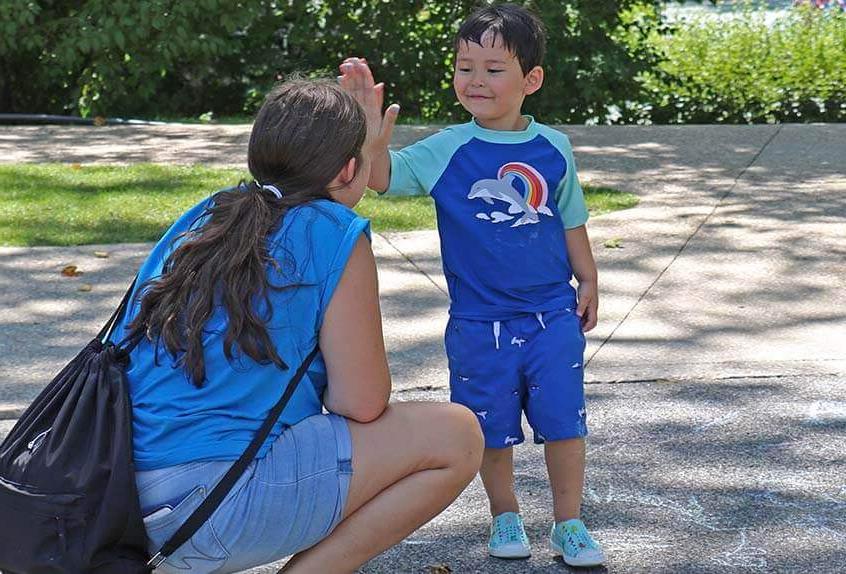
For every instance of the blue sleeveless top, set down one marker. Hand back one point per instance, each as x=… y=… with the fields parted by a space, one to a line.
x=174 y=422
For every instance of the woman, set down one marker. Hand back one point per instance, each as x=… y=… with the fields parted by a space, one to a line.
x=232 y=299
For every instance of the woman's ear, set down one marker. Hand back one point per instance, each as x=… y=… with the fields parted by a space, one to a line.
x=534 y=80
x=339 y=184
x=347 y=173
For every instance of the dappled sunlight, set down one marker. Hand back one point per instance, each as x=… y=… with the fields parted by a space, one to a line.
x=696 y=477
x=174 y=143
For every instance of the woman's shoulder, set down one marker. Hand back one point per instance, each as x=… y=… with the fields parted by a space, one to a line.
x=325 y=211
x=322 y=232
x=323 y=219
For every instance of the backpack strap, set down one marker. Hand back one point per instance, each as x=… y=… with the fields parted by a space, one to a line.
x=107 y=329
x=219 y=492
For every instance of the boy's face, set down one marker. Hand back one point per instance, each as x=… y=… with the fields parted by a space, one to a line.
x=490 y=83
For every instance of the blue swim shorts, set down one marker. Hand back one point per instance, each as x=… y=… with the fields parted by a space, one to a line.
x=284 y=503
x=530 y=364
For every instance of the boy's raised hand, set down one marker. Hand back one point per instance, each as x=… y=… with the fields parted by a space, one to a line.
x=357 y=79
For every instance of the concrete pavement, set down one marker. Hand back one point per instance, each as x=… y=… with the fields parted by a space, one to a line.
x=723 y=313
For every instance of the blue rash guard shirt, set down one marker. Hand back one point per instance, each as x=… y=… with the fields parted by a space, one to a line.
x=503 y=200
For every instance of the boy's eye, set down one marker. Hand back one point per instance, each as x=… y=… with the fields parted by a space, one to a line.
x=495 y=71
x=465 y=70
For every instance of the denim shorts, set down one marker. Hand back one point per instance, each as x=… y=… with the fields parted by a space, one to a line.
x=284 y=503
x=532 y=363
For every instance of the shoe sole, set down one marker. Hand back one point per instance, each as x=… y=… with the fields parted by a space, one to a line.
x=509 y=554
x=556 y=549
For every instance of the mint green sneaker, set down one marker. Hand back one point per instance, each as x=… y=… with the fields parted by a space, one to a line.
x=574 y=543
x=508 y=537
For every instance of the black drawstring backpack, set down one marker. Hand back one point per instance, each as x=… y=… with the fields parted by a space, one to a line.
x=68 y=499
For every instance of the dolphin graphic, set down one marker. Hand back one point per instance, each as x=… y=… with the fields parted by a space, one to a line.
x=501 y=190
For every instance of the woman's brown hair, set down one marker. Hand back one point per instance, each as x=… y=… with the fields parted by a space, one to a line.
x=303 y=135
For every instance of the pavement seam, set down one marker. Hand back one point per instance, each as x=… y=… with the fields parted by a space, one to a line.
x=413 y=264
x=716 y=378
x=686 y=243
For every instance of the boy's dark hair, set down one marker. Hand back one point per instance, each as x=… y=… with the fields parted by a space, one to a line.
x=304 y=133
x=520 y=30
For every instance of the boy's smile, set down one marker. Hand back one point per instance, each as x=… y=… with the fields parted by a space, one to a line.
x=490 y=83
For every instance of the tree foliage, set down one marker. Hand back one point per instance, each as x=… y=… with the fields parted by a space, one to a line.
x=607 y=60
x=171 y=58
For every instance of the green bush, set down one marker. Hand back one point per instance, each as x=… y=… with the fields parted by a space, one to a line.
x=159 y=58
x=742 y=69
x=608 y=61
x=117 y=56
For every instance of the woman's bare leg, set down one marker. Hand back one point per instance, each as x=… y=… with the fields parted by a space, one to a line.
x=408 y=465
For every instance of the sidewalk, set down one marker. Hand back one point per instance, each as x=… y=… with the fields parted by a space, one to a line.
x=724 y=310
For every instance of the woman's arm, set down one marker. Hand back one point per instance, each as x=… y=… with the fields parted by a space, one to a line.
x=351 y=342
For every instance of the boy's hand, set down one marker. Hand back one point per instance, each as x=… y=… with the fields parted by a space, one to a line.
x=357 y=79
x=588 y=305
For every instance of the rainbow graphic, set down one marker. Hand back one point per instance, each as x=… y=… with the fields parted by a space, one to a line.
x=536 y=191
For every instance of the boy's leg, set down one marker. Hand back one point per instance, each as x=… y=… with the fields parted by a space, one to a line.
x=565 y=463
x=556 y=411
x=497 y=474
x=555 y=404
x=483 y=377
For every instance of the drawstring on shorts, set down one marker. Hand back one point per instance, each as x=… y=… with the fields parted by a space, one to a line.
x=497 y=327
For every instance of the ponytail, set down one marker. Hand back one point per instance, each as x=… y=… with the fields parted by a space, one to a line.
x=228 y=252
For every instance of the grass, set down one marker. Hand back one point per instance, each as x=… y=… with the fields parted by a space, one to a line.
x=62 y=204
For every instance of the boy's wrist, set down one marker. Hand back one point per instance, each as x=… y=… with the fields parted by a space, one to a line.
x=591 y=278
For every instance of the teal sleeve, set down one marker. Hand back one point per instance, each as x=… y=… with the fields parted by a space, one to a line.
x=415 y=169
x=404 y=180
x=569 y=195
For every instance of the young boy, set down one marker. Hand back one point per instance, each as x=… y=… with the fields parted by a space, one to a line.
x=511 y=218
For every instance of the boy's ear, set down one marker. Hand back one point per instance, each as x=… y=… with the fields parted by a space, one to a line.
x=533 y=80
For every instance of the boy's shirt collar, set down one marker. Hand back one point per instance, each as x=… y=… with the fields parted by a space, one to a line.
x=505 y=136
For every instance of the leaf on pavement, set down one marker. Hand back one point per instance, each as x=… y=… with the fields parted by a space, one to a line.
x=71 y=271
x=101 y=254
x=439 y=569
x=615 y=243
x=85 y=287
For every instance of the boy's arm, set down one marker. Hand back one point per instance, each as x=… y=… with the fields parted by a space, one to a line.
x=357 y=79
x=584 y=268
x=574 y=213
x=380 y=170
